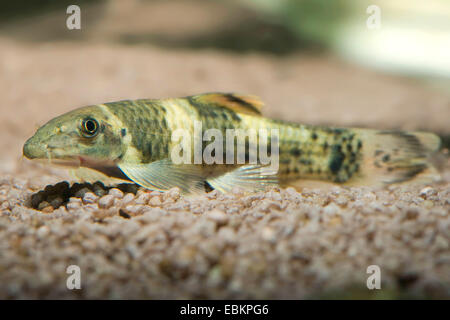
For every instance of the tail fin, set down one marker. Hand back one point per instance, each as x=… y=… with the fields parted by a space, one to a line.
x=398 y=156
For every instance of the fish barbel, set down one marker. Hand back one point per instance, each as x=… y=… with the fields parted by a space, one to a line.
x=133 y=140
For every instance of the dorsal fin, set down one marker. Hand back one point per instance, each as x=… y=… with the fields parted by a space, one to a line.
x=238 y=103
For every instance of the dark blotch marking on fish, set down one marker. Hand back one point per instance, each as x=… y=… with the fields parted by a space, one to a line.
x=338 y=131
x=144 y=121
x=337 y=158
x=378 y=152
x=147 y=151
x=213 y=114
x=346 y=168
x=296 y=152
x=155 y=124
x=208 y=114
x=359 y=146
x=352 y=157
x=314 y=136
x=123 y=132
x=386 y=158
x=154 y=147
x=306 y=162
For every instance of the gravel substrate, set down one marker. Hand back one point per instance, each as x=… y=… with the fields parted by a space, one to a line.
x=131 y=243
x=277 y=244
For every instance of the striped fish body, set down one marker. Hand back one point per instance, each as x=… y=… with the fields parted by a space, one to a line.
x=134 y=141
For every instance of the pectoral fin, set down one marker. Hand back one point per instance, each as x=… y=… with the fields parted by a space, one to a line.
x=249 y=178
x=163 y=175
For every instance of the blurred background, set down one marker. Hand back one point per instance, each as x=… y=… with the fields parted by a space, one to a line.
x=383 y=64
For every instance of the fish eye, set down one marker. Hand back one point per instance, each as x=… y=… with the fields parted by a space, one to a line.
x=89 y=127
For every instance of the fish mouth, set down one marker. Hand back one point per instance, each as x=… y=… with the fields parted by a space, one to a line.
x=54 y=155
x=46 y=154
x=49 y=157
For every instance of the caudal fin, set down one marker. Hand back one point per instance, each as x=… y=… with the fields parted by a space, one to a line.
x=397 y=156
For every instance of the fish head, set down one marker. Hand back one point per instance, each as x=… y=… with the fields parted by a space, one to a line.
x=85 y=135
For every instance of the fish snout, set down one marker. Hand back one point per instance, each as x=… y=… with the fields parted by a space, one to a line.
x=34 y=150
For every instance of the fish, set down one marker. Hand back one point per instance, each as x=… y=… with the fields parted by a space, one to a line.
x=133 y=140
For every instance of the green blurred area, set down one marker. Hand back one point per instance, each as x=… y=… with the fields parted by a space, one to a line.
x=298 y=25
x=412 y=39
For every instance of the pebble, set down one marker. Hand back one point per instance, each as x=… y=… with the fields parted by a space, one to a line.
x=441 y=243
x=155 y=201
x=134 y=210
x=276 y=196
x=268 y=234
x=42 y=205
x=142 y=199
x=80 y=193
x=127 y=198
x=331 y=209
x=268 y=205
x=428 y=204
x=100 y=192
x=90 y=197
x=370 y=196
x=19 y=183
x=116 y=193
x=55 y=200
x=341 y=200
x=292 y=192
x=227 y=234
x=36 y=199
x=74 y=203
x=43 y=231
x=48 y=209
x=217 y=216
x=427 y=191
x=106 y=201
x=173 y=194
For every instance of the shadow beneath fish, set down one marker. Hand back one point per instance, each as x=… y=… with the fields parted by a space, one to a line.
x=59 y=194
